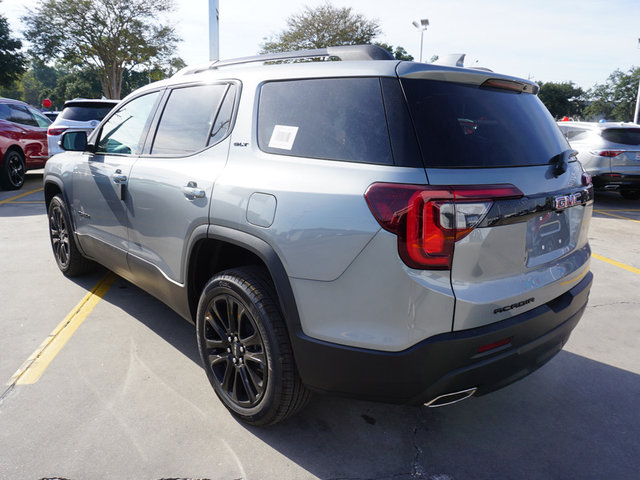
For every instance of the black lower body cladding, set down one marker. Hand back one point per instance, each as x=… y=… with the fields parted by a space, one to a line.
x=446 y=363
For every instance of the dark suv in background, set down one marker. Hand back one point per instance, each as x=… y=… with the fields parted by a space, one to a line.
x=389 y=230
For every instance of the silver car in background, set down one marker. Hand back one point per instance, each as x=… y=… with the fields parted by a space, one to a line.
x=80 y=114
x=609 y=152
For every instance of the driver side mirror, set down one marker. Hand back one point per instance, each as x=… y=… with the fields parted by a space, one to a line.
x=74 y=141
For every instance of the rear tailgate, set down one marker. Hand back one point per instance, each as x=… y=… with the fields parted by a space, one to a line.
x=484 y=130
x=623 y=143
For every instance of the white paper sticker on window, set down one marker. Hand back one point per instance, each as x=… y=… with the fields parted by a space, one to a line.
x=283 y=137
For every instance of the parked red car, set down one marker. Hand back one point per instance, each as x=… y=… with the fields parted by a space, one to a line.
x=23 y=142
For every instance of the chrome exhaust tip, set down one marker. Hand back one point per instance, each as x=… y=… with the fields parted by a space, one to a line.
x=451 y=398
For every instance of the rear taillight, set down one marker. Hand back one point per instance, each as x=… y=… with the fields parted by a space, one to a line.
x=607 y=153
x=56 y=131
x=428 y=220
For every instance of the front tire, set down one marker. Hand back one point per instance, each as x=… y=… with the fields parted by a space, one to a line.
x=245 y=348
x=13 y=171
x=69 y=259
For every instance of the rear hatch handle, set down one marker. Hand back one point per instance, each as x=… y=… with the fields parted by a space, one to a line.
x=561 y=161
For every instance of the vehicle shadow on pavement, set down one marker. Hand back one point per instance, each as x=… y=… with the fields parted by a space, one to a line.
x=573 y=418
x=26 y=202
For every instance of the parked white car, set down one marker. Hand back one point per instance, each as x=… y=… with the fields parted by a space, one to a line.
x=80 y=114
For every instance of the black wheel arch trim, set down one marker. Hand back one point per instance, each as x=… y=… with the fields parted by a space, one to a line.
x=59 y=183
x=274 y=265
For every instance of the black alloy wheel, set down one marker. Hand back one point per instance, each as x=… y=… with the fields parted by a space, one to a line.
x=13 y=171
x=59 y=233
x=235 y=350
x=245 y=349
x=69 y=259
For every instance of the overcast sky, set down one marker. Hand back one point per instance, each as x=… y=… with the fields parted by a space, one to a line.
x=547 y=40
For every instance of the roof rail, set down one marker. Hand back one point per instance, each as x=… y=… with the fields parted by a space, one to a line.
x=344 y=52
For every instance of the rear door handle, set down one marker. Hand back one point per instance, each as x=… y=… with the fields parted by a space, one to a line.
x=191 y=191
x=118 y=177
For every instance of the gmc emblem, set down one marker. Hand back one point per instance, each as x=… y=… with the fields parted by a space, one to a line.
x=566 y=201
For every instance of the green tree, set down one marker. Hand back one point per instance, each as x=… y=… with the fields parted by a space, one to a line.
x=111 y=36
x=135 y=79
x=399 y=53
x=323 y=26
x=12 y=61
x=615 y=99
x=562 y=99
x=76 y=83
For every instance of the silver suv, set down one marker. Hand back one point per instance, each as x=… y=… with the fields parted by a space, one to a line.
x=609 y=152
x=388 y=230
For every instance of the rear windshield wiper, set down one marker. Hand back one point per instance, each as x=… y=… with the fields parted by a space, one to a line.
x=561 y=161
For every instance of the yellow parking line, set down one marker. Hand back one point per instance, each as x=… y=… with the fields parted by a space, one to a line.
x=617 y=216
x=617 y=210
x=31 y=370
x=617 y=264
x=9 y=200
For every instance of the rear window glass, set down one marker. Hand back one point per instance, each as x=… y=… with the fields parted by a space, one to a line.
x=468 y=126
x=85 y=112
x=330 y=118
x=624 y=136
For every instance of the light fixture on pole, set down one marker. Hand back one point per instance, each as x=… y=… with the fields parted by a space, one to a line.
x=422 y=26
x=635 y=115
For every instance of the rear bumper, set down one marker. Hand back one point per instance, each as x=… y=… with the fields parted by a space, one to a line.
x=448 y=362
x=616 y=180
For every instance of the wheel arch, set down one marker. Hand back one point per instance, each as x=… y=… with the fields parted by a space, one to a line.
x=52 y=187
x=224 y=248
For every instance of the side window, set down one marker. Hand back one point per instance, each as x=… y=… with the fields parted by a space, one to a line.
x=5 y=112
x=123 y=131
x=21 y=115
x=222 y=123
x=41 y=120
x=331 y=118
x=189 y=119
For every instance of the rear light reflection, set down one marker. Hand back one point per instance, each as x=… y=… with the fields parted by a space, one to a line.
x=428 y=220
x=608 y=153
x=494 y=345
x=56 y=131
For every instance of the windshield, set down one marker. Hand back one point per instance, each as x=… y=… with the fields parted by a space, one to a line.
x=462 y=125
x=85 y=112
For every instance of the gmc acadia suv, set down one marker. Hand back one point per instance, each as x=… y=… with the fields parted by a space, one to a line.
x=381 y=229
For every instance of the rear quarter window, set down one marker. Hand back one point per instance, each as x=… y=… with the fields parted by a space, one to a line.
x=330 y=118
x=623 y=136
x=467 y=126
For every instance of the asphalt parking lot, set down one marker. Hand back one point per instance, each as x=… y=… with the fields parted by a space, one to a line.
x=126 y=398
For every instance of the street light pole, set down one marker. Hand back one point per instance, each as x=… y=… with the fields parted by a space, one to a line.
x=214 y=35
x=422 y=26
x=635 y=115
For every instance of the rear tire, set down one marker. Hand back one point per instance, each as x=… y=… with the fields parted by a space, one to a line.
x=69 y=259
x=13 y=171
x=245 y=348
x=630 y=194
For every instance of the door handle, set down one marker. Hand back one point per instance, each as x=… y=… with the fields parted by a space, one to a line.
x=118 y=178
x=191 y=191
